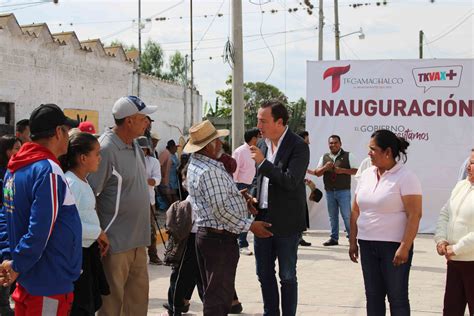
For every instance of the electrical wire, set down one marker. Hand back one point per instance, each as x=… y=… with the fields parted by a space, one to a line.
x=451 y=29
x=24 y=3
x=259 y=2
x=151 y=17
x=295 y=10
x=25 y=7
x=295 y=14
x=210 y=24
x=228 y=54
x=353 y=52
x=246 y=36
x=260 y=48
x=429 y=46
x=265 y=42
x=285 y=47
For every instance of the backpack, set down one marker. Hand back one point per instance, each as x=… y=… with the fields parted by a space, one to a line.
x=179 y=224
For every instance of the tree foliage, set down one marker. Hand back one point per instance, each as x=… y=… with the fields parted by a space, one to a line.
x=254 y=94
x=125 y=47
x=177 y=68
x=152 y=59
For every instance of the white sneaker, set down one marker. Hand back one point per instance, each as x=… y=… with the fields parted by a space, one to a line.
x=246 y=251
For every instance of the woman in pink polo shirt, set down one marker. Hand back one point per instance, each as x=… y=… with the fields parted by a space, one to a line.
x=385 y=216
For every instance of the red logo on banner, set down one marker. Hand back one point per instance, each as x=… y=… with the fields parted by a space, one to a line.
x=336 y=73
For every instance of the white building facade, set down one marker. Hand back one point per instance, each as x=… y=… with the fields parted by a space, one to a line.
x=39 y=67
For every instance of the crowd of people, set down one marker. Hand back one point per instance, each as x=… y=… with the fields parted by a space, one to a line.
x=79 y=213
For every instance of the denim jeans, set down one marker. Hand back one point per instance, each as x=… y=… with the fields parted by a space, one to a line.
x=339 y=200
x=243 y=236
x=267 y=250
x=382 y=278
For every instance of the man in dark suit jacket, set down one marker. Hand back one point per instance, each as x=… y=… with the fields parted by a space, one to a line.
x=282 y=158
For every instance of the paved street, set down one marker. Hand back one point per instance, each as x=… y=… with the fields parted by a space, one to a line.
x=329 y=283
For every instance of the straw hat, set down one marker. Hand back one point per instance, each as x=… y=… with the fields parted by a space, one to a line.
x=154 y=135
x=202 y=134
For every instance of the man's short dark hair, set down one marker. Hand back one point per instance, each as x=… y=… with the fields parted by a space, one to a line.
x=335 y=136
x=43 y=135
x=21 y=125
x=279 y=110
x=251 y=133
x=119 y=122
x=303 y=134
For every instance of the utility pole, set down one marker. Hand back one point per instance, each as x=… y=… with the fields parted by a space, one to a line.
x=185 y=83
x=237 y=76
x=321 y=25
x=192 y=64
x=336 y=27
x=139 y=45
x=421 y=44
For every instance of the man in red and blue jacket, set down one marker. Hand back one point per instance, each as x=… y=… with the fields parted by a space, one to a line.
x=44 y=249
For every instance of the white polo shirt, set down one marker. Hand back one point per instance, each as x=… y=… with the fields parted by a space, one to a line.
x=382 y=213
x=271 y=155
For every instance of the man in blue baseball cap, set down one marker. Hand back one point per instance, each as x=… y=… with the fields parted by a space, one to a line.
x=123 y=207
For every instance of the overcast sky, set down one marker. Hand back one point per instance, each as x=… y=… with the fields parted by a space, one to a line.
x=391 y=32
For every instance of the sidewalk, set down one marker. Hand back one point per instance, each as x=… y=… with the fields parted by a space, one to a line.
x=329 y=283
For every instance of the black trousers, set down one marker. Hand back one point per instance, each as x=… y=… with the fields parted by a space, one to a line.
x=185 y=277
x=459 y=288
x=218 y=255
x=91 y=285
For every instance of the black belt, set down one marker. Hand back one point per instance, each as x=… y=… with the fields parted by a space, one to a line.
x=217 y=231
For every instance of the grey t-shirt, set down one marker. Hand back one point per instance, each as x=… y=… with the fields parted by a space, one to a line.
x=123 y=204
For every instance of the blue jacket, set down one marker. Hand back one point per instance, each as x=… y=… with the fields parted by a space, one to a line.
x=3 y=223
x=44 y=228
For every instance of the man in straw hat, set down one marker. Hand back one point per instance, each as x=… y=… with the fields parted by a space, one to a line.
x=221 y=212
x=282 y=159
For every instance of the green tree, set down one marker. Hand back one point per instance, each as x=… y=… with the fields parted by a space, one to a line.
x=152 y=59
x=177 y=68
x=254 y=94
x=217 y=110
x=125 y=47
x=297 y=111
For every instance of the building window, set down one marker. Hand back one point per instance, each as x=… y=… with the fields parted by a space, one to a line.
x=7 y=118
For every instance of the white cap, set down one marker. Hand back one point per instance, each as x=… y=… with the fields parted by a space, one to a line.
x=127 y=106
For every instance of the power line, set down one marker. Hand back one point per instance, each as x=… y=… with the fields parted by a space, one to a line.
x=151 y=17
x=26 y=6
x=347 y=45
x=247 y=36
x=265 y=42
x=429 y=46
x=451 y=29
x=25 y=3
x=294 y=12
x=209 y=26
x=260 y=48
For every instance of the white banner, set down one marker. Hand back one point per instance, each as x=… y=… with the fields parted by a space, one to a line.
x=429 y=102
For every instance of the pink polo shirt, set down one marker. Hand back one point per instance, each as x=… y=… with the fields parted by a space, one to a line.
x=246 y=168
x=382 y=214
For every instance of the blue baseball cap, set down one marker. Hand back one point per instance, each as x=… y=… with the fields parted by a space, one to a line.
x=128 y=106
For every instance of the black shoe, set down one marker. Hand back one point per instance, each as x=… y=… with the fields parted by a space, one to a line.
x=331 y=242
x=179 y=310
x=236 y=309
x=304 y=243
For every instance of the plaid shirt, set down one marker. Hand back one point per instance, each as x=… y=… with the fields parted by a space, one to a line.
x=215 y=197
